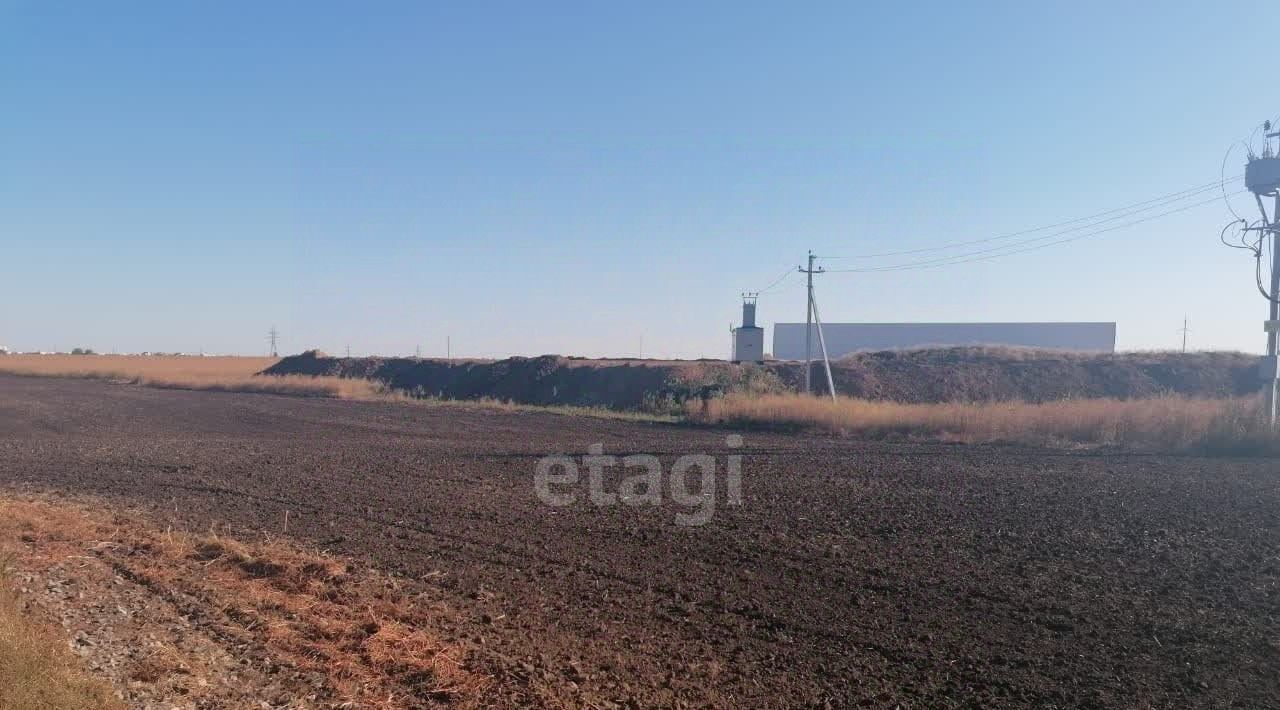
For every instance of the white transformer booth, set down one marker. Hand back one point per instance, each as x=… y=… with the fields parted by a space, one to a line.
x=748 y=339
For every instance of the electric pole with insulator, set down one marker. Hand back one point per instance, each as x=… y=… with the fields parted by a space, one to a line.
x=274 y=337
x=1262 y=178
x=808 y=324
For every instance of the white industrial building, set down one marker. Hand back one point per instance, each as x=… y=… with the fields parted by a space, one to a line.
x=846 y=338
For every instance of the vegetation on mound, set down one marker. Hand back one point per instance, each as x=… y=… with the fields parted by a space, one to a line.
x=988 y=374
x=702 y=383
x=917 y=376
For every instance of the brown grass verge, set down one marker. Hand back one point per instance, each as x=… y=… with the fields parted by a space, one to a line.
x=37 y=671
x=216 y=374
x=1164 y=423
x=294 y=385
x=356 y=627
x=136 y=366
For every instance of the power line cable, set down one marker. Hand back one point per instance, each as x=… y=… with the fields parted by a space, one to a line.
x=1008 y=250
x=1091 y=220
x=781 y=277
x=1264 y=248
x=1237 y=223
x=1223 y=182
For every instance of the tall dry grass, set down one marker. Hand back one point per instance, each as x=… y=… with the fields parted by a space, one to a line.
x=1171 y=423
x=219 y=374
x=189 y=367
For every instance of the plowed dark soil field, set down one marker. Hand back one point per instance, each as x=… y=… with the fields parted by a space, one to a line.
x=852 y=574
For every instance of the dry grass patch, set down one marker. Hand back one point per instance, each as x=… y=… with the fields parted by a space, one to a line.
x=326 y=616
x=1163 y=423
x=294 y=385
x=217 y=374
x=37 y=671
x=175 y=367
x=271 y=602
x=567 y=410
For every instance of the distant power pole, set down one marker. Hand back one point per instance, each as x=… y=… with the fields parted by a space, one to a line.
x=448 y=348
x=348 y=351
x=1184 y=332
x=273 y=335
x=417 y=351
x=808 y=324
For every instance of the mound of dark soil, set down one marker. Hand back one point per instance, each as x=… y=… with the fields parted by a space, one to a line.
x=549 y=379
x=1001 y=374
x=932 y=375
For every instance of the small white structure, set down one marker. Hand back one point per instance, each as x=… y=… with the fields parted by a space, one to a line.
x=748 y=339
x=4 y=350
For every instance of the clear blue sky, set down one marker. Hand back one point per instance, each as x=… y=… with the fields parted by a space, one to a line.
x=552 y=177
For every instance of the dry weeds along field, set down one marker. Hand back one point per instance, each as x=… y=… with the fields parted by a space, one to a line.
x=1170 y=423
x=218 y=373
x=173 y=619
x=853 y=573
